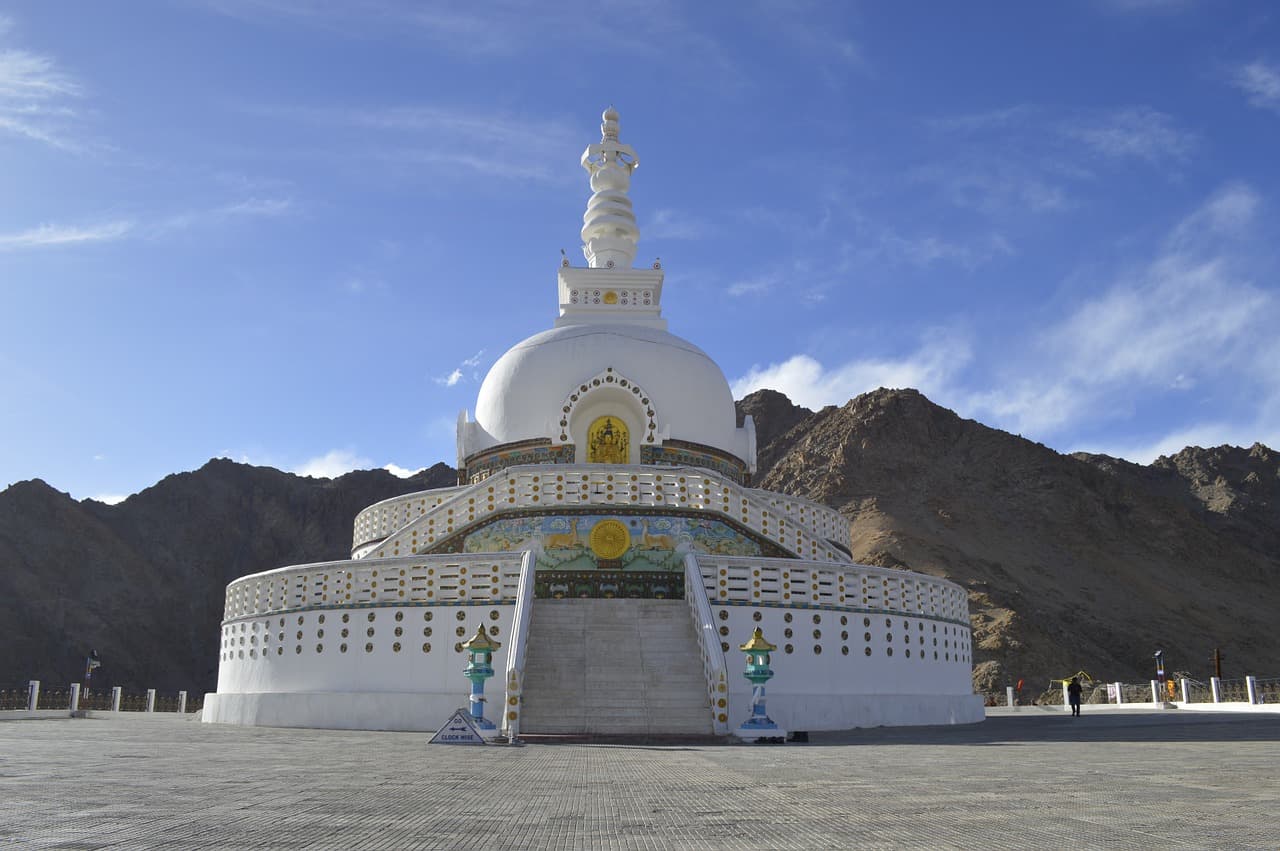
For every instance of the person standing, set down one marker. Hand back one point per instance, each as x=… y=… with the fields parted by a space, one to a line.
x=1073 y=695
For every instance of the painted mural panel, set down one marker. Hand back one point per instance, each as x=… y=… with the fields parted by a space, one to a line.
x=614 y=541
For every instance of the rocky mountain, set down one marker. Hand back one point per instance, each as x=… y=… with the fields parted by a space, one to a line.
x=142 y=582
x=1071 y=561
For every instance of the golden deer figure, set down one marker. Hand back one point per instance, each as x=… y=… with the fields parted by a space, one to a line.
x=564 y=540
x=654 y=542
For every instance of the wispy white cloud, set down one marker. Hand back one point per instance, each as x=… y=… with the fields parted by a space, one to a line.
x=49 y=235
x=36 y=97
x=752 y=286
x=443 y=140
x=1188 y=315
x=467 y=370
x=451 y=379
x=997 y=186
x=1137 y=132
x=54 y=235
x=500 y=28
x=929 y=250
x=806 y=381
x=1260 y=81
x=360 y=284
x=332 y=464
x=247 y=208
x=1147 y=6
x=402 y=472
x=1205 y=434
x=673 y=224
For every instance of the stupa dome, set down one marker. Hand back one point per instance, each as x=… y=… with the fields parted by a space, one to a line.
x=638 y=370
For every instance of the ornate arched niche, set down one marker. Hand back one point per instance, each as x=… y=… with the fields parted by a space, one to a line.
x=608 y=418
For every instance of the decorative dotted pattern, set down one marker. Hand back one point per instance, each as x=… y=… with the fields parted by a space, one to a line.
x=608 y=379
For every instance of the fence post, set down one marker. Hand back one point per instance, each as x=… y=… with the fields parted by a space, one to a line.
x=1119 y=693
x=74 y=703
x=1215 y=684
x=182 y=703
x=1186 y=690
x=151 y=700
x=1008 y=694
x=115 y=699
x=1066 y=696
x=33 y=695
x=1251 y=685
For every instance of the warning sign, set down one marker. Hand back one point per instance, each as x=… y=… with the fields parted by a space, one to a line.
x=458 y=730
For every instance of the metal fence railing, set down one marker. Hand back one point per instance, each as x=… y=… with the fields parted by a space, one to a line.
x=1233 y=691
x=1268 y=689
x=102 y=700
x=1199 y=692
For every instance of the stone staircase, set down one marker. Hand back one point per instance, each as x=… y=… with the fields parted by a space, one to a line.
x=614 y=667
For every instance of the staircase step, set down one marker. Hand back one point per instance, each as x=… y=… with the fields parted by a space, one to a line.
x=614 y=667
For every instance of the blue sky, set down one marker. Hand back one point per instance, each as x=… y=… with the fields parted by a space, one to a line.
x=297 y=233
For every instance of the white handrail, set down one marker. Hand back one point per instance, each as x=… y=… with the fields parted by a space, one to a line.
x=713 y=665
x=519 y=645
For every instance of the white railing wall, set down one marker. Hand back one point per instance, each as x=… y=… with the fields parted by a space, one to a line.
x=547 y=486
x=780 y=581
x=824 y=521
x=382 y=518
x=713 y=664
x=479 y=579
x=519 y=648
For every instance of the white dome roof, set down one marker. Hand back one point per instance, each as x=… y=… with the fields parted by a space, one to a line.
x=525 y=394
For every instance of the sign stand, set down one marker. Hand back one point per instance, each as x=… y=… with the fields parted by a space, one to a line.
x=460 y=729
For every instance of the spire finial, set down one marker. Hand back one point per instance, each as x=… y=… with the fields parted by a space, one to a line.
x=609 y=230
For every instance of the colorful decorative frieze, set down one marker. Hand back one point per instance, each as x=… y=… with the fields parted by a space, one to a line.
x=680 y=453
x=540 y=451
x=635 y=540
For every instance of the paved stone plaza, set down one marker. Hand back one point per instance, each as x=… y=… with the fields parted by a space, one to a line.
x=1030 y=780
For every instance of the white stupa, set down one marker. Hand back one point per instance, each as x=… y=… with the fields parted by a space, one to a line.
x=605 y=537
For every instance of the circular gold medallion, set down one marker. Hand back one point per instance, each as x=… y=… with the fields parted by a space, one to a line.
x=609 y=539
x=610 y=297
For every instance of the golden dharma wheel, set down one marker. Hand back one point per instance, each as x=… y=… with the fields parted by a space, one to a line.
x=609 y=539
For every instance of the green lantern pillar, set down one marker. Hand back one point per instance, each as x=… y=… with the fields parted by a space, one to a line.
x=480 y=648
x=759 y=727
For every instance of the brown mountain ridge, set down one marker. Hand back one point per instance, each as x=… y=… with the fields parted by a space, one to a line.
x=1071 y=561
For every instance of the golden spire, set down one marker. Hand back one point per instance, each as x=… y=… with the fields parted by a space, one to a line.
x=757 y=643
x=481 y=642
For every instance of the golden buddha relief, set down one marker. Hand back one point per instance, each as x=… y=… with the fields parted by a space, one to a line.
x=608 y=441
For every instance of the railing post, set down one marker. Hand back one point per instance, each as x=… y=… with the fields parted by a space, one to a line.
x=1251 y=685
x=1119 y=693
x=151 y=700
x=1215 y=684
x=713 y=665
x=33 y=695
x=73 y=704
x=1008 y=694
x=1066 y=696
x=115 y=698
x=517 y=648
x=1186 y=690
x=182 y=703
x=1156 y=697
